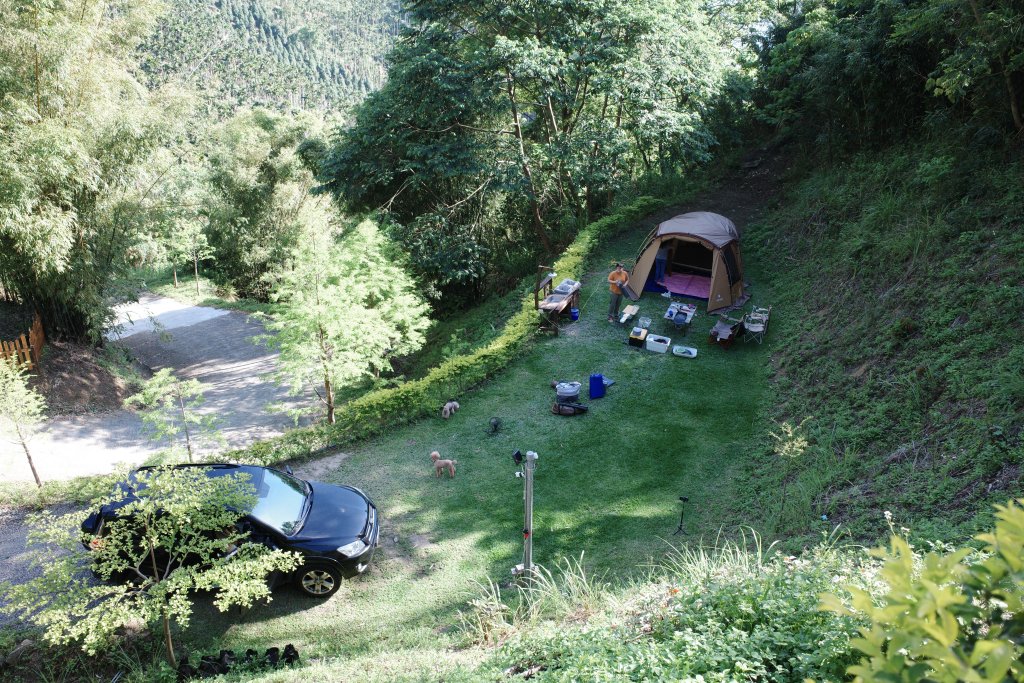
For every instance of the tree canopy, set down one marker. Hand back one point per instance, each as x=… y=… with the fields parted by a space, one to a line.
x=285 y=55
x=77 y=130
x=503 y=125
x=348 y=311
x=856 y=72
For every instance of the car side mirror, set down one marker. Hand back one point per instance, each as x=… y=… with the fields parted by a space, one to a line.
x=288 y=469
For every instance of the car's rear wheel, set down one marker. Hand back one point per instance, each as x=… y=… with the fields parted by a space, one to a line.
x=319 y=581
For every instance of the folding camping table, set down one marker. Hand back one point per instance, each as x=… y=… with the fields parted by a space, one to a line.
x=681 y=315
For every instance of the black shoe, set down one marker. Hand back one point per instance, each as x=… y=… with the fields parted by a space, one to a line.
x=208 y=667
x=186 y=672
x=227 y=659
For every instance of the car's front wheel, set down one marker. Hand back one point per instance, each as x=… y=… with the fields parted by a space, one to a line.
x=319 y=581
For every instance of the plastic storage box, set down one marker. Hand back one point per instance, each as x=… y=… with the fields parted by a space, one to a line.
x=658 y=343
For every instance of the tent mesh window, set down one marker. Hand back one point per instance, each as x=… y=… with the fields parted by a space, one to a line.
x=729 y=254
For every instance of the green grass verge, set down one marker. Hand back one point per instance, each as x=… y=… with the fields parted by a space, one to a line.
x=160 y=281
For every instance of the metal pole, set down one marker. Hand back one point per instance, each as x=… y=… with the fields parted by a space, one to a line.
x=679 y=529
x=530 y=466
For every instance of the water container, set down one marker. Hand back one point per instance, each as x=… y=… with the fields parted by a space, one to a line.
x=596 y=386
x=575 y=313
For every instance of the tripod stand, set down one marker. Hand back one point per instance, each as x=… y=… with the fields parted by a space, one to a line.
x=679 y=529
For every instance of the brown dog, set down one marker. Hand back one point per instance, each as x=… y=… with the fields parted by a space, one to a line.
x=441 y=465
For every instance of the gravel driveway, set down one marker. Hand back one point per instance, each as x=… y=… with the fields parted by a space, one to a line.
x=218 y=351
x=208 y=344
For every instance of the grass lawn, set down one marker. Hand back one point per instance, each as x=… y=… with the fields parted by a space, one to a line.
x=607 y=485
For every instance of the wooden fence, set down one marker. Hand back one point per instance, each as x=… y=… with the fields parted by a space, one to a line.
x=26 y=349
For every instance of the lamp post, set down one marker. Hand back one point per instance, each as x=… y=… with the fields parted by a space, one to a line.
x=528 y=464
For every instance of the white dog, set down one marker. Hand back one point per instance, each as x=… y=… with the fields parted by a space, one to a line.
x=449 y=409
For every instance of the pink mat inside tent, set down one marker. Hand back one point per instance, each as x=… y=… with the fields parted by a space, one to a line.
x=688 y=285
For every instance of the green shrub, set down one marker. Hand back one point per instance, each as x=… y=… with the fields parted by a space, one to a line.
x=946 y=617
x=728 y=614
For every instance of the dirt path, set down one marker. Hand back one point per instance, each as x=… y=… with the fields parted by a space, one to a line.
x=208 y=344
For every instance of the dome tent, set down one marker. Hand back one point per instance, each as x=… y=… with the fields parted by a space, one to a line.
x=704 y=259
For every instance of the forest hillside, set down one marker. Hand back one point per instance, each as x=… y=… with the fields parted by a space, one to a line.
x=292 y=54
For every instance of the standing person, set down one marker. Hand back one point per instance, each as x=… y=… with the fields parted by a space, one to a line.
x=616 y=279
x=660 y=261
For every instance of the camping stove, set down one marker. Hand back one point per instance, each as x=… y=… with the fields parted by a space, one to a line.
x=568 y=392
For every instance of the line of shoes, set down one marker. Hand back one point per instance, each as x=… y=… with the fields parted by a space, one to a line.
x=215 y=665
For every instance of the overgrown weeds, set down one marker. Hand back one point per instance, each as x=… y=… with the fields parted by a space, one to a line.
x=727 y=611
x=568 y=593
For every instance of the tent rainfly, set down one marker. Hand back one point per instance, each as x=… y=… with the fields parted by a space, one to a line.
x=703 y=259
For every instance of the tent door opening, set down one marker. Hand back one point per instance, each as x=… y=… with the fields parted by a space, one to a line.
x=689 y=258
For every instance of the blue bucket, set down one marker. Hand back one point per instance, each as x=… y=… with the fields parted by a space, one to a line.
x=575 y=313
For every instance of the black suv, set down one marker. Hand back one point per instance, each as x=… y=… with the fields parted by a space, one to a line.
x=334 y=528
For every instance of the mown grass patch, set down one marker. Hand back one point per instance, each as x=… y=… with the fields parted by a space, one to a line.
x=608 y=484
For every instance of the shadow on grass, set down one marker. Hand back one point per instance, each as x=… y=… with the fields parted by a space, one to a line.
x=608 y=482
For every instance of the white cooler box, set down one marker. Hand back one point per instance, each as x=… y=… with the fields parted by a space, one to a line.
x=658 y=343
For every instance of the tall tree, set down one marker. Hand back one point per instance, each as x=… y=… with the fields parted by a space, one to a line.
x=858 y=71
x=259 y=182
x=348 y=310
x=981 y=53
x=531 y=113
x=188 y=243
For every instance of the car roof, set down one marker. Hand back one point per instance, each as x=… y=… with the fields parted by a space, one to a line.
x=214 y=469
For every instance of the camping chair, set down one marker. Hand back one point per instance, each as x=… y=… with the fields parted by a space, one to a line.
x=725 y=331
x=756 y=324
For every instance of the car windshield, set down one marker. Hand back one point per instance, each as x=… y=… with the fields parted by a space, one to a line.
x=282 y=502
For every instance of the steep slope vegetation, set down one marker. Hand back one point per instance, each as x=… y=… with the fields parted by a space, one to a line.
x=897 y=280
